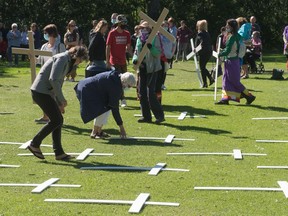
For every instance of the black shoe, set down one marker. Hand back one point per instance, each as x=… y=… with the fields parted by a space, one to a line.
x=211 y=81
x=158 y=121
x=222 y=102
x=250 y=99
x=204 y=85
x=144 y=120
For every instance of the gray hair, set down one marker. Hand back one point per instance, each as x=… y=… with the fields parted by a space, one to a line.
x=128 y=79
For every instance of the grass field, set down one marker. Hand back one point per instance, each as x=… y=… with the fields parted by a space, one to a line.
x=225 y=128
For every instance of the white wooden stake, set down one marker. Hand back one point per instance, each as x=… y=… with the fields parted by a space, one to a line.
x=196 y=64
x=150 y=138
x=272 y=167
x=271 y=118
x=8 y=166
x=139 y=203
x=283 y=188
x=40 y=187
x=85 y=154
x=31 y=52
x=136 y=204
x=216 y=55
x=237 y=154
x=153 y=170
x=272 y=141
x=182 y=116
x=23 y=145
x=169 y=139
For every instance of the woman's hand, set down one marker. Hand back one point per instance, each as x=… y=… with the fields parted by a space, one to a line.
x=122 y=132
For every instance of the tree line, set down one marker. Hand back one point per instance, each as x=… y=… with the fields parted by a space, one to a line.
x=272 y=15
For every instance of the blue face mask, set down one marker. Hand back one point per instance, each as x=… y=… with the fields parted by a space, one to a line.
x=46 y=36
x=113 y=21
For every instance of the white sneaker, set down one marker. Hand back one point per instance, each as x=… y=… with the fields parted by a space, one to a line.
x=163 y=87
x=123 y=103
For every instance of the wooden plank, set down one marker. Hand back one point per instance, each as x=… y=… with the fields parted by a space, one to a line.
x=25 y=145
x=153 y=33
x=182 y=116
x=196 y=65
x=8 y=166
x=272 y=167
x=117 y=168
x=271 y=118
x=73 y=154
x=169 y=139
x=84 y=154
x=216 y=73
x=155 y=170
x=201 y=153
x=139 y=203
x=237 y=154
x=284 y=186
x=41 y=187
x=176 y=116
x=272 y=141
x=238 y=188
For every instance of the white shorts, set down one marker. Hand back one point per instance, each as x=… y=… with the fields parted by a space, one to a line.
x=102 y=119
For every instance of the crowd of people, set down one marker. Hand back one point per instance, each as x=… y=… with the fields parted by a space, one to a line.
x=109 y=49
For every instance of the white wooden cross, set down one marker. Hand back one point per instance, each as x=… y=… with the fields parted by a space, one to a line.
x=23 y=145
x=237 y=154
x=39 y=188
x=272 y=167
x=271 y=118
x=156 y=28
x=81 y=156
x=272 y=141
x=283 y=188
x=136 y=205
x=167 y=139
x=31 y=52
x=193 y=54
x=153 y=170
x=8 y=166
x=182 y=116
x=216 y=55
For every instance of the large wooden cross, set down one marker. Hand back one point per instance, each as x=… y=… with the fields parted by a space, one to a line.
x=31 y=52
x=156 y=28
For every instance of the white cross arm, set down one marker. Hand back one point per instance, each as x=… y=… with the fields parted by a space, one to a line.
x=139 y=203
x=215 y=54
x=27 y=52
x=85 y=154
x=150 y=38
x=44 y=185
x=168 y=35
x=197 y=49
x=155 y=170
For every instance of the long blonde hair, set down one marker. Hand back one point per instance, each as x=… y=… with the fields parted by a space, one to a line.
x=102 y=23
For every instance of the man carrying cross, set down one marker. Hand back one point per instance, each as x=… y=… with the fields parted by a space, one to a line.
x=148 y=71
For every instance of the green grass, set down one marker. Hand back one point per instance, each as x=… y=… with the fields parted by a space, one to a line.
x=224 y=129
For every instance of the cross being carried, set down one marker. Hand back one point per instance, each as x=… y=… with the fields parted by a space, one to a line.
x=31 y=52
x=156 y=27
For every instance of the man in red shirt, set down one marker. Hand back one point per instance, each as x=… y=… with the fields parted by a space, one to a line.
x=118 y=42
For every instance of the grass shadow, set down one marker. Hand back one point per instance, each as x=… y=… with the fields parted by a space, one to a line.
x=127 y=142
x=271 y=108
x=190 y=110
x=76 y=130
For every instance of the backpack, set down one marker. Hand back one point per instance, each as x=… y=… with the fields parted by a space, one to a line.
x=277 y=74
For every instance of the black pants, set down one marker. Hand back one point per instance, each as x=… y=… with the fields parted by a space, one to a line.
x=50 y=107
x=203 y=60
x=148 y=98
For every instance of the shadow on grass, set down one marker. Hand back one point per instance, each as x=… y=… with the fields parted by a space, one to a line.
x=195 y=128
x=76 y=130
x=190 y=110
x=78 y=164
x=271 y=108
x=6 y=74
x=126 y=142
x=263 y=78
x=6 y=113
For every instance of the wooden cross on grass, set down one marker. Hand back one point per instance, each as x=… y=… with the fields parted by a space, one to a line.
x=31 y=52
x=156 y=27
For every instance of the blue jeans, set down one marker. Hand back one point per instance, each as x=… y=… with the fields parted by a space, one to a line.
x=148 y=97
x=9 y=56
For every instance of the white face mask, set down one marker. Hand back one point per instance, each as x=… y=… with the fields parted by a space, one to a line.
x=144 y=31
x=228 y=30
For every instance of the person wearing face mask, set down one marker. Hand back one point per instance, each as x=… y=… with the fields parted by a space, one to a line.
x=113 y=19
x=14 y=40
x=148 y=72
x=47 y=93
x=117 y=44
x=232 y=88
x=53 y=45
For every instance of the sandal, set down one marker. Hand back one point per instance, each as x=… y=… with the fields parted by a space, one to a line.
x=102 y=135
x=93 y=136
x=64 y=157
x=36 y=152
